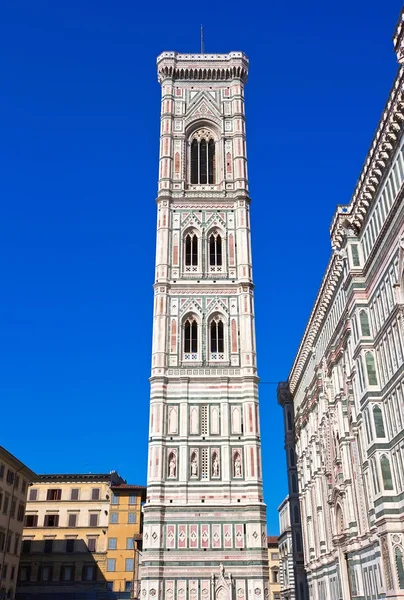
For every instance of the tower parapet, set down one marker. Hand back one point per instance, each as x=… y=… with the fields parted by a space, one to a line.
x=204 y=67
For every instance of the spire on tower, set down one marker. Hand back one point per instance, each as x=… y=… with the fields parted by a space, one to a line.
x=202 y=41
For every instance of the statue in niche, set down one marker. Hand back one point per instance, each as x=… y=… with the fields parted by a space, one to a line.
x=215 y=466
x=194 y=466
x=172 y=466
x=237 y=466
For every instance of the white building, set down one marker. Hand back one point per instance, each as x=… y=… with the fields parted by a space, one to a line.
x=285 y=542
x=347 y=384
x=204 y=518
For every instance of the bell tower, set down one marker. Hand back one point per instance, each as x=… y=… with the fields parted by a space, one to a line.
x=204 y=518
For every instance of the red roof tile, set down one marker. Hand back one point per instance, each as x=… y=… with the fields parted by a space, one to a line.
x=272 y=540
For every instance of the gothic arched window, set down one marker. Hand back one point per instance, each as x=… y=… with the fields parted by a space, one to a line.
x=371 y=368
x=191 y=249
x=386 y=473
x=215 y=250
x=190 y=339
x=216 y=335
x=364 y=320
x=378 y=419
x=203 y=159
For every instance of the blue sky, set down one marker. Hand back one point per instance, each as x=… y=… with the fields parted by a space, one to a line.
x=79 y=130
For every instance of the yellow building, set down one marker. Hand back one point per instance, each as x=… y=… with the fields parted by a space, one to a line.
x=273 y=561
x=125 y=537
x=15 y=478
x=66 y=536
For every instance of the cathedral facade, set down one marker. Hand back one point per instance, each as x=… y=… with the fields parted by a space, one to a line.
x=204 y=517
x=345 y=395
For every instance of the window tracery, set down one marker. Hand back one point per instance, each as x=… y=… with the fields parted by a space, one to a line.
x=215 y=252
x=203 y=158
x=190 y=346
x=191 y=251
x=216 y=338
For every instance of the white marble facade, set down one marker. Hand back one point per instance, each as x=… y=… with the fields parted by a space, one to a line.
x=204 y=518
x=347 y=385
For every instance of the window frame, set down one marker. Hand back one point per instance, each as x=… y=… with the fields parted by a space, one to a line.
x=219 y=355
x=203 y=137
x=216 y=269
x=191 y=356
x=194 y=266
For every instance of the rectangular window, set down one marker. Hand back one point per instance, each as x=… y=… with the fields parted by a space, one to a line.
x=16 y=543
x=12 y=574
x=51 y=521
x=2 y=540
x=25 y=573
x=10 y=476
x=33 y=494
x=115 y=499
x=91 y=544
x=129 y=564
x=26 y=546
x=113 y=517
x=72 y=520
x=66 y=573
x=48 y=546
x=5 y=505
x=94 y=520
x=88 y=573
x=128 y=586
x=13 y=507
x=131 y=517
x=274 y=556
x=111 y=564
x=1 y=471
x=111 y=543
x=130 y=544
x=20 y=512
x=355 y=255
x=8 y=545
x=54 y=494
x=31 y=520
x=23 y=486
x=132 y=499
x=74 y=494
x=95 y=494
x=45 y=574
x=17 y=482
x=69 y=545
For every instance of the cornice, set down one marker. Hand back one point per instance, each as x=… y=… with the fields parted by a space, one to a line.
x=351 y=217
x=205 y=67
x=324 y=297
x=383 y=148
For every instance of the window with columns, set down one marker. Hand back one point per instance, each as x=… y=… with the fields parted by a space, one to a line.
x=191 y=252
x=216 y=338
x=190 y=343
x=203 y=158
x=215 y=251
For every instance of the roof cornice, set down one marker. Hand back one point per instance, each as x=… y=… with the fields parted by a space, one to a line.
x=325 y=295
x=383 y=147
x=203 y=67
x=352 y=216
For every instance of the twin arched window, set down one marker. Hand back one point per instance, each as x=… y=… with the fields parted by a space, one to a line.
x=190 y=336
x=191 y=249
x=215 y=250
x=203 y=161
x=216 y=339
x=191 y=341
